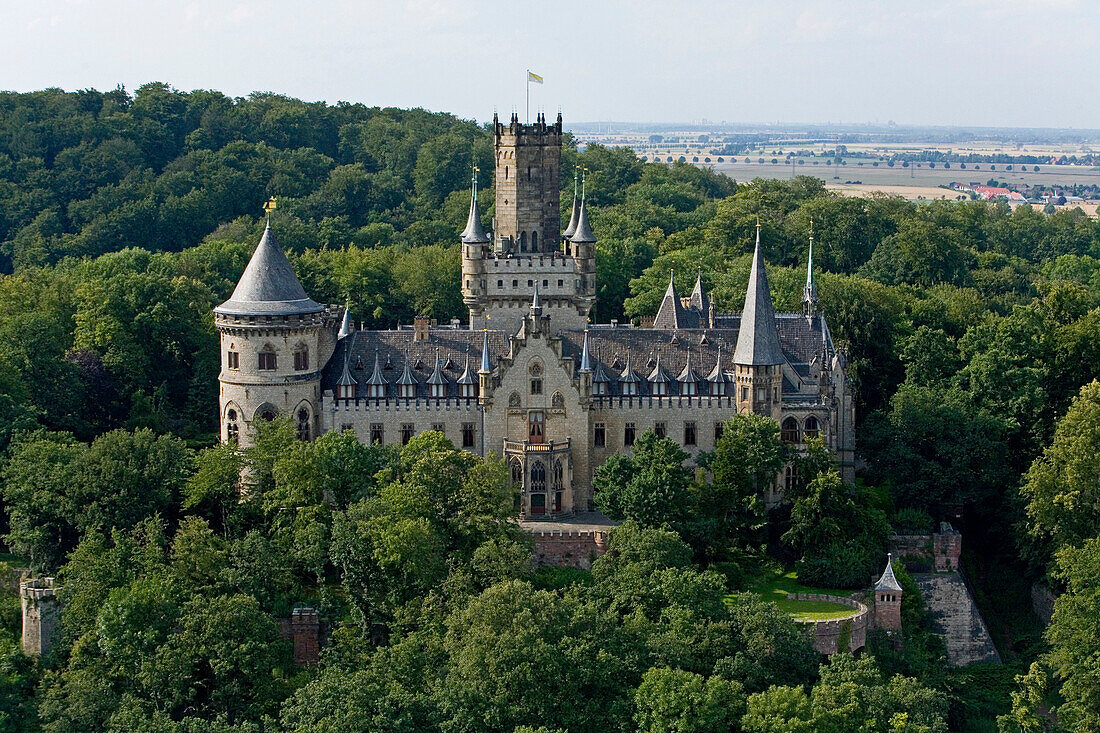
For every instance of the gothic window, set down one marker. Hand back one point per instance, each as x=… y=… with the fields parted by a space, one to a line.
x=628 y=434
x=559 y=475
x=812 y=428
x=523 y=241
x=233 y=357
x=467 y=435
x=513 y=399
x=557 y=401
x=534 y=241
x=689 y=433
x=301 y=358
x=599 y=435
x=660 y=429
x=266 y=359
x=377 y=433
x=535 y=428
x=538 y=476
x=407 y=432
x=232 y=431
x=268 y=413
x=536 y=385
x=517 y=472
x=789 y=430
x=303 y=424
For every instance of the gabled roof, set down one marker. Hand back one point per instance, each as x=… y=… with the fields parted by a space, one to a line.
x=671 y=313
x=758 y=338
x=699 y=300
x=888 y=581
x=268 y=286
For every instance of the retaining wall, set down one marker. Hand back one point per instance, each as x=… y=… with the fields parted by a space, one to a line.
x=827 y=633
x=1042 y=602
x=941 y=549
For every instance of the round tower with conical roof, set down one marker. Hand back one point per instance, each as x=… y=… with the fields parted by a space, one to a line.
x=274 y=341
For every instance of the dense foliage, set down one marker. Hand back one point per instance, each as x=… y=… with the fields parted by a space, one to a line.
x=969 y=329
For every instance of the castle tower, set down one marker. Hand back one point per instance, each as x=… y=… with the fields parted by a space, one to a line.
x=274 y=341
x=41 y=615
x=526 y=249
x=888 y=599
x=758 y=357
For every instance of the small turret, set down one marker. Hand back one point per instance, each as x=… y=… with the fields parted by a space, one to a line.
x=345 y=323
x=809 y=293
x=586 y=360
x=888 y=599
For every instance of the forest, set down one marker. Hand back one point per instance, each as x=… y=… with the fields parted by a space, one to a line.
x=973 y=337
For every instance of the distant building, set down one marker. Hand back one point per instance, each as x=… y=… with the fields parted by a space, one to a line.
x=527 y=378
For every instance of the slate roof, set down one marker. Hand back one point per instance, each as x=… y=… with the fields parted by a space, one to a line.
x=583 y=234
x=888 y=581
x=758 y=339
x=474 y=233
x=268 y=286
x=572 y=228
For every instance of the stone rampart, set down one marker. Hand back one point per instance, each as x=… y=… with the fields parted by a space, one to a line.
x=940 y=550
x=41 y=615
x=568 y=548
x=826 y=634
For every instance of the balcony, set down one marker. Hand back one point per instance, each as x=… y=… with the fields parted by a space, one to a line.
x=522 y=446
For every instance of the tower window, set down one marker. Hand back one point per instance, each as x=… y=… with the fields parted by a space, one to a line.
x=506 y=175
x=689 y=433
x=467 y=435
x=599 y=435
x=528 y=173
x=534 y=241
x=536 y=385
x=628 y=434
x=660 y=429
x=745 y=394
x=301 y=359
x=233 y=358
x=500 y=283
x=303 y=425
x=266 y=359
x=407 y=432
x=719 y=428
x=377 y=433
x=515 y=283
x=232 y=432
x=561 y=283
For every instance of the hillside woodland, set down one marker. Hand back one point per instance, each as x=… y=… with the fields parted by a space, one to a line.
x=973 y=333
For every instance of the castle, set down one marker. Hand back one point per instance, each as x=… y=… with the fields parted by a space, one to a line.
x=528 y=378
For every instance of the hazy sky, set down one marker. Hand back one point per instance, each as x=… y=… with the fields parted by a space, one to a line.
x=981 y=62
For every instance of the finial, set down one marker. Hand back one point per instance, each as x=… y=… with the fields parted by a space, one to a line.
x=584 y=177
x=269 y=206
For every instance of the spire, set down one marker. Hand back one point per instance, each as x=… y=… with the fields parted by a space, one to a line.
x=688 y=374
x=659 y=374
x=486 y=367
x=809 y=293
x=671 y=313
x=699 y=300
x=437 y=376
x=467 y=376
x=572 y=228
x=345 y=323
x=583 y=233
x=346 y=380
x=888 y=581
x=376 y=377
x=586 y=360
x=407 y=376
x=536 y=307
x=268 y=286
x=474 y=233
x=718 y=374
x=629 y=375
x=758 y=337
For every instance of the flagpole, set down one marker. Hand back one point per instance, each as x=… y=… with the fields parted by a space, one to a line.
x=528 y=96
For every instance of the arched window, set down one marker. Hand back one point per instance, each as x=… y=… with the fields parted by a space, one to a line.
x=523 y=241
x=517 y=472
x=266 y=359
x=301 y=358
x=534 y=241
x=789 y=430
x=268 y=413
x=559 y=475
x=812 y=428
x=538 y=476
x=232 y=431
x=303 y=424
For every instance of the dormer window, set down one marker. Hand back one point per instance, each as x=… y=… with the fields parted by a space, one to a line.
x=376 y=391
x=468 y=390
x=717 y=388
x=599 y=388
x=345 y=391
x=688 y=388
x=630 y=388
x=408 y=391
x=660 y=389
x=301 y=358
x=266 y=359
x=439 y=390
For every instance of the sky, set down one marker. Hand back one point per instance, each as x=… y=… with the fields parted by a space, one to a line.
x=1004 y=63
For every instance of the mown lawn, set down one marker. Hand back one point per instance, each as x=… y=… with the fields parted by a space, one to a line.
x=775 y=586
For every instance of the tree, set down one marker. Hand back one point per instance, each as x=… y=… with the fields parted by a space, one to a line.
x=675 y=701
x=650 y=486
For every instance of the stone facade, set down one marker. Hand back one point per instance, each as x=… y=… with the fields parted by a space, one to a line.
x=957 y=618
x=940 y=550
x=303 y=628
x=41 y=615
x=527 y=377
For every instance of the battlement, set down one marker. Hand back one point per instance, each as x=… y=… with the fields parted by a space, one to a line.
x=827 y=633
x=538 y=129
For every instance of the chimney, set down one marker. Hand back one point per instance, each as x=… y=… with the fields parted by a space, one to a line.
x=420 y=328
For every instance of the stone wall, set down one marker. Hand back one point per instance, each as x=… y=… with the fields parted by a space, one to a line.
x=826 y=634
x=940 y=549
x=957 y=618
x=1042 y=602
x=568 y=549
x=41 y=615
x=303 y=628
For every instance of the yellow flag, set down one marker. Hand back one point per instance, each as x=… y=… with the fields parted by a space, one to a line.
x=269 y=205
x=532 y=76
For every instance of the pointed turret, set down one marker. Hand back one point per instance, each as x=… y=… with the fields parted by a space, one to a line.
x=809 y=293
x=699 y=300
x=574 y=217
x=346 y=380
x=536 y=307
x=437 y=376
x=345 y=323
x=377 y=379
x=629 y=376
x=671 y=313
x=467 y=377
x=758 y=337
x=486 y=366
x=407 y=377
x=718 y=374
x=474 y=233
x=659 y=373
x=888 y=581
x=583 y=233
x=586 y=360
x=268 y=286
x=688 y=375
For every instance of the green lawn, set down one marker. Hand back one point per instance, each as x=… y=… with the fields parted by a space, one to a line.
x=775 y=586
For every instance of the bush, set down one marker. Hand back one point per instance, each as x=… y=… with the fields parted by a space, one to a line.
x=912 y=521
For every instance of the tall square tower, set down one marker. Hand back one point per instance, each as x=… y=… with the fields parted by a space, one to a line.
x=528 y=184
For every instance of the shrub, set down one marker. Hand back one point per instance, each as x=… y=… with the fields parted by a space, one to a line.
x=912 y=521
